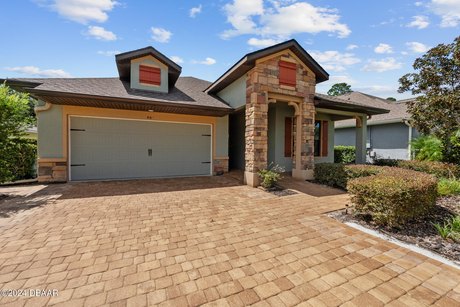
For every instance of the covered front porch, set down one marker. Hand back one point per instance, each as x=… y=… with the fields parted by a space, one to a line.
x=287 y=126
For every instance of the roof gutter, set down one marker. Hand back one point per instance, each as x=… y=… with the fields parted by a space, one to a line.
x=375 y=123
x=45 y=93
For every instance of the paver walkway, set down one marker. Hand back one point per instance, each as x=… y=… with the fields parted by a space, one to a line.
x=196 y=241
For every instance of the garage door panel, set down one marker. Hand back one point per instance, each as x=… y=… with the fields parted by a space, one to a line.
x=112 y=149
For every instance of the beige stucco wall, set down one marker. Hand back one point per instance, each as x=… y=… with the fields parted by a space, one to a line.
x=235 y=93
x=53 y=131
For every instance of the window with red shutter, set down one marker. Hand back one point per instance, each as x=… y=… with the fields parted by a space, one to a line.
x=149 y=75
x=287 y=73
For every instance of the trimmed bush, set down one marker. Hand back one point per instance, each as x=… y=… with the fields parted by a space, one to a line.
x=269 y=177
x=386 y=162
x=338 y=174
x=394 y=197
x=344 y=154
x=437 y=169
x=18 y=160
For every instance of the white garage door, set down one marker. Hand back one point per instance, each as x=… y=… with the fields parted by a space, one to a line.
x=120 y=149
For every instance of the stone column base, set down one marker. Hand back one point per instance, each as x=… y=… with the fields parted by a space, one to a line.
x=52 y=171
x=251 y=179
x=220 y=166
x=303 y=174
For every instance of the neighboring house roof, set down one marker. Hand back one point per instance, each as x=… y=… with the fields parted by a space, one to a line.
x=124 y=63
x=248 y=61
x=337 y=103
x=187 y=96
x=397 y=109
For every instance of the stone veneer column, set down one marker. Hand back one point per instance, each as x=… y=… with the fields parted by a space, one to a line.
x=256 y=131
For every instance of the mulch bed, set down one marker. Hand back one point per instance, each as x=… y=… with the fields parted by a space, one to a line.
x=420 y=232
x=278 y=191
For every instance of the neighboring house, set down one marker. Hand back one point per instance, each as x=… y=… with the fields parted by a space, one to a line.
x=150 y=122
x=388 y=135
x=31 y=133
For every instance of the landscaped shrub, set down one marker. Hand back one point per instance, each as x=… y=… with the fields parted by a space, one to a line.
x=448 y=187
x=18 y=160
x=437 y=169
x=394 y=197
x=427 y=148
x=338 y=174
x=344 y=154
x=386 y=162
x=269 y=177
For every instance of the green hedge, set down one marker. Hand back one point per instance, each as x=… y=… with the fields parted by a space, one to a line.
x=394 y=197
x=338 y=174
x=344 y=154
x=17 y=160
x=435 y=168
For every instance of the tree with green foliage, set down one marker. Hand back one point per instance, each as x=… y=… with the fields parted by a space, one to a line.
x=436 y=81
x=15 y=118
x=339 y=89
x=391 y=99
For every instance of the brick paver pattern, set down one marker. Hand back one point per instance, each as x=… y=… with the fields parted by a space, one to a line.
x=210 y=241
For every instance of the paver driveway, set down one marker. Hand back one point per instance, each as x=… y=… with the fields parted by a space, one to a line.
x=206 y=240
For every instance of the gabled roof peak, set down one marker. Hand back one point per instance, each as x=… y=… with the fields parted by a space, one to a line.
x=123 y=61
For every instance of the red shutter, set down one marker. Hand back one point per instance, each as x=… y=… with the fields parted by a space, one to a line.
x=288 y=137
x=324 y=140
x=149 y=75
x=287 y=74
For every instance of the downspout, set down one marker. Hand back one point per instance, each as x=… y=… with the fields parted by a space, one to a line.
x=409 y=148
x=45 y=107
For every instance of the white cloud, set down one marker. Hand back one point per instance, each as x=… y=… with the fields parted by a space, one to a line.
x=383 y=48
x=35 y=71
x=262 y=42
x=108 y=52
x=281 y=19
x=417 y=47
x=379 y=90
x=195 y=11
x=382 y=65
x=161 y=35
x=239 y=15
x=448 y=10
x=207 y=61
x=101 y=33
x=177 y=59
x=82 y=11
x=351 y=47
x=418 y=3
x=419 y=22
x=334 y=60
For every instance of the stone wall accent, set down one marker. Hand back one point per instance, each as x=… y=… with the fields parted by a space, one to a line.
x=52 y=171
x=262 y=81
x=220 y=165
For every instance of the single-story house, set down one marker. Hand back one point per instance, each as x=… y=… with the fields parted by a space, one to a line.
x=151 y=122
x=388 y=135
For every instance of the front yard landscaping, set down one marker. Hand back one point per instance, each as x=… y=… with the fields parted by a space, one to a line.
x=412 y=201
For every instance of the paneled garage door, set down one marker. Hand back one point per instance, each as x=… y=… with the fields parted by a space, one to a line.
x=120 y=149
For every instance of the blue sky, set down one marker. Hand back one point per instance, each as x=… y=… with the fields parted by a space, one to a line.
x=368 y=44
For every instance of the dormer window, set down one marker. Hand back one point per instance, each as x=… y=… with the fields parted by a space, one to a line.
x=287 y=73
x=149 y=75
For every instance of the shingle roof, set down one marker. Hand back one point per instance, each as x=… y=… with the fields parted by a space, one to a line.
x=398 y=109
x=334 y=102
x=188 y=91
